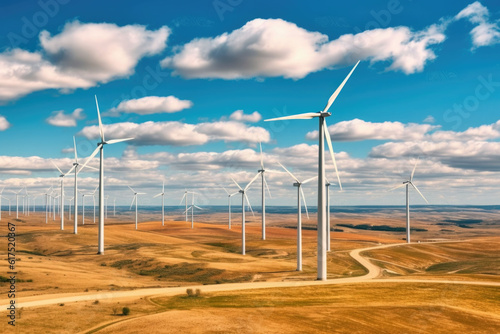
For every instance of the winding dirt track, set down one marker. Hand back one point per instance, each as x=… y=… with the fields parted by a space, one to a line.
x=373 y=272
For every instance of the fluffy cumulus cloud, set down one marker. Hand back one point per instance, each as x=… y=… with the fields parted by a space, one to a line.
x=80 y=56
x=358 y=129
x=240 y=116
x=485 y=32
x=59 y=118
x=180 y=134
x=262 y=48
x=4 y=123
x=151 y=105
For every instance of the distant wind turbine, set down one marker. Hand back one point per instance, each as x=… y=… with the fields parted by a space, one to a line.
x=135 y=199
x=17 y=193
x=162 y=194
x=100 y=148
x=407 y=183
x=262 y=171
x=322 y=134
x=243 y=198
x=1 y=191
x=300 y=194
x=62 y=176
x=229 y=204
x=192 y=208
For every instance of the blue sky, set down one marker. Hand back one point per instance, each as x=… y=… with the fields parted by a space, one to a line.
x=193 y=82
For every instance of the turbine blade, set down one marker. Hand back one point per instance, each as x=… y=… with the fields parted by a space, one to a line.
x=72 y=168
x=91 y=156
x=249 y=205
x=196 y=206
x=332 y=154
x=60 y=171
x=74 y=147
x=267 y=187
x=227 y=192
x=131 y=189
x=293 y=176
x=101 y=130
x=413 y=172
x=133 y=200
x=163 y=188
x=114 y=141
x=414 y=186
x=183 y=198
x=236 y=183
x=141 y=193
x=261 y=158
x=307 y=115
x=309 y=180
x=254 y=178
x=337 y=91
x=396 y=187
x=157 y=195
x=304 y=200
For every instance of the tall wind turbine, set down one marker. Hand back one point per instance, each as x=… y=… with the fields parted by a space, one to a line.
x=62 y=176
x=136 y=194
x=322 y=134
x=407 y=183
x=229 y=204
x=243 y=198
x=100 y=149
x=162 y=194
x=262 y=170
x=17 y=193
x=300 y=194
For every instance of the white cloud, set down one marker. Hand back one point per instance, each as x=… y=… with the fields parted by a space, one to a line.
x=484 y=33
x=151 y=105
x=4 y=123
x=429 y=119
x=180 y=134
x=358 y=129
x=81 y=56
x=239 y=115
x=59 y=118
x=262 y=48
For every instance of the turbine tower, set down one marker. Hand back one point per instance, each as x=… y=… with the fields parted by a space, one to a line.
x=100 y=149
x=162 y=194
x=62 y=176
x=229 y=204
x=244 y=197
x=407 y=183
x=136 y=194
x=300 y=194
x=262 y=170
x=192 y=208
x=322 y=134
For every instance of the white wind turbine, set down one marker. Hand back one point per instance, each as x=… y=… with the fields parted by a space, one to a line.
x=192 y=208
x=244 y=197
x=17 y=201
x=407 y=183
x=47 y=210
x=62 y=176
x=83 y=204
x=322 y=134
x=185 y=199
x=162 y=194
x=135 y=199
x=100 y=148
x=8 y=199
x=229 y=204
x=262 y=171
x=300 y=194
x=328 y=238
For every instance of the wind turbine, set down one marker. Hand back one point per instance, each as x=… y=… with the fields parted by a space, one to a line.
x=69 y=211
x=83 y=204
x=229 y=204
x=8 y=199
x=407 y=183
x=322 y=134
x=192 y=208
x=62 y=176
x=300 y=194
x=100 y=148
x=184 y=198
x=47 y=210
x=244 y=197
x=262 y=170
x=328 y=238
x=17 y=201
x=162 y=194
x=135 y=200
